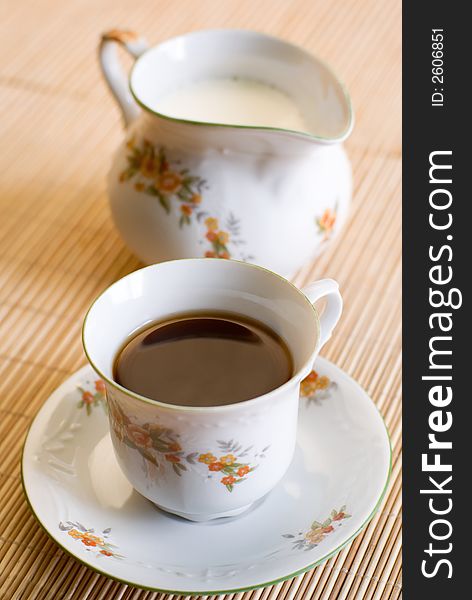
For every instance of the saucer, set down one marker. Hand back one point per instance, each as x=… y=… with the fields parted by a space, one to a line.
x=332 y=489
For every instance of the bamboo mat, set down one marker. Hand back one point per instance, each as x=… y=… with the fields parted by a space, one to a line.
x=58 y=247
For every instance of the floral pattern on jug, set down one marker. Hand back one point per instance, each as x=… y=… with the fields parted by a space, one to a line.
x=327 y=221
x=283 y=182
x=218 y=239
x=93 y=542
x=318 y=531
x=153 y=174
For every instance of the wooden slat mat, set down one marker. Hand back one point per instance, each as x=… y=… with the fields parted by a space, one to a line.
x=58 y=247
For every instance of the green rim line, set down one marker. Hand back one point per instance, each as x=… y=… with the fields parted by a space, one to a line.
x=203 y=409
x=301 y=134
x=224 y=591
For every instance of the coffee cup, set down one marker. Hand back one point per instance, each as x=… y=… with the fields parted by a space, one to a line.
x=206 y=462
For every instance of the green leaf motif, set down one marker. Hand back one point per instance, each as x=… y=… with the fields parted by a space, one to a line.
x=327 y=522
x=130 y=444
x=148 y=456
x=164 y=202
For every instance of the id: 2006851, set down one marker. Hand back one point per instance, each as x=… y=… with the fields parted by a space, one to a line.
x=437 y=67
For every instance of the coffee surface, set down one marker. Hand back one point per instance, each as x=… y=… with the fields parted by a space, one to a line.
x=203 y=359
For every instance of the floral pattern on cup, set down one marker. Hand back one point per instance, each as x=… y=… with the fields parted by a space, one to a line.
x=315 y=387
x=232 y=465
x=93 y=542
x=160 y=446
x=157 y=444
x=94 y=397
x=153 y=174
x=326 y=222
x=307 y=540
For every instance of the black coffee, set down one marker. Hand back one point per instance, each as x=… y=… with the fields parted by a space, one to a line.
x=204 y=359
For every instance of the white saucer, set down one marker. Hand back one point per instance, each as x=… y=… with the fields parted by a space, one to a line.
x=334 y=486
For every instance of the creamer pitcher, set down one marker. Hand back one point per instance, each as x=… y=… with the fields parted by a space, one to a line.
x=232 y=149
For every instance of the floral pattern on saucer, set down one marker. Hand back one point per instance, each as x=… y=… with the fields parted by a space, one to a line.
x=192 y=567
x=91 y=398
x=318 y=531
x=315 y=388
x=94 y=543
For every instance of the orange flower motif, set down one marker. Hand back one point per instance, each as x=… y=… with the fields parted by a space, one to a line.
x=211 y=224
x=175 y=447
x=196 y=199
x=186 y=209
x=87 y=398
x=172 y=458
x=323 y=382
x=244 y=470
x=75 y=534
x=223 y=237
x=326 y=222
x=215 y=466
x=106 y=552
x=328 y=529
x=313 y=376
x=224 y=254
x=169 y=182
x=148 y=167
x=207 y=458
x=139 y=436
x=228 y=459
x=339 y=516
x=100 y=386
x=314 y=536
x=92 y=538
x=210 y=254
x=312 y=383
x=211 y=236
x=229 y=480
x=88 y=542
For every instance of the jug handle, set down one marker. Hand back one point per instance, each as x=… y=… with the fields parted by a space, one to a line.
x=113 y=72
x=334 y=305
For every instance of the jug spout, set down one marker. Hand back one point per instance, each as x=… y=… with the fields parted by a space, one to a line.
x=306 y=100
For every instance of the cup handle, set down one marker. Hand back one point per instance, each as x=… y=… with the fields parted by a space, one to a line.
x=334 y=305
x=113 y=71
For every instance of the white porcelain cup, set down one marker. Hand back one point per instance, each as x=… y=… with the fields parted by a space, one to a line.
x=202 y=463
